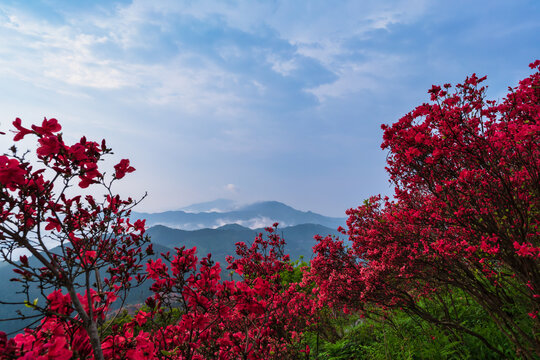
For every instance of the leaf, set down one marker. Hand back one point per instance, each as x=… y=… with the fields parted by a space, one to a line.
x=31 y=305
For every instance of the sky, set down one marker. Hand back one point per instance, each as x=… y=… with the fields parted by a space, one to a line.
x=250 y=100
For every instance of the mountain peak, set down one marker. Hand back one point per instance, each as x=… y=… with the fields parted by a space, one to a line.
x=218 y=205
x=232 y=227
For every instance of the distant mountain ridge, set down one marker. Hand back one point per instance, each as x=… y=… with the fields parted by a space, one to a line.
x=256 y=215
x=213 y=227
x=220 y=242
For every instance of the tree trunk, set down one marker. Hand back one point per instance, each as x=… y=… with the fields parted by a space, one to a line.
x=93 y=334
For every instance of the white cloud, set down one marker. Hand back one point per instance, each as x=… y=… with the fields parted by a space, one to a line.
x=317 y=29
x=202 y=89
x=372 y=74
x=253 y=223
x=261 y=89
x=282 y=66
x=64 y=59
x=53 y=56
x=231 y=188
x=324 y=51
x=76 y=57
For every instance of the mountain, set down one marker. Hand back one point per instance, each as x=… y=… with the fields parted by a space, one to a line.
x=212 y=232
x=219 y=205
x=253 y=216
x=221 y=242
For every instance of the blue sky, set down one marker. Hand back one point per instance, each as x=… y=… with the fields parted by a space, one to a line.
x=250 y=100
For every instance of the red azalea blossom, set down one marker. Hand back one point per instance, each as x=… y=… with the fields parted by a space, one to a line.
x=21 y=131
x=11 y=173
x=50 y=145
x=36 y=206
x=47 y=128
x=122 y=168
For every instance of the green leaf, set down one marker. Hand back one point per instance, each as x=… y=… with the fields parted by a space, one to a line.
x=31 y=306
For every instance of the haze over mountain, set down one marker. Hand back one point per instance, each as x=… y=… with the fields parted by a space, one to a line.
x=256 y=215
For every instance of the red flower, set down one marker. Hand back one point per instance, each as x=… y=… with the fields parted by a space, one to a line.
x=122 y=168
x=10 y=172
x=59 y=303
x=89 y=257
x=48 y=127
x=53 y=224
x=22 y=131
x=90 y=171
x=49 y=146
x=141 y=317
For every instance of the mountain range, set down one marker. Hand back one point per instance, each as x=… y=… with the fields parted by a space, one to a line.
x=221 y=242
x=218 y=240
x=256 y=215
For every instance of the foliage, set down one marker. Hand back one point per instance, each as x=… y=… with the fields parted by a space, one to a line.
x=256 y=317
x=76 y=239
x=193 y=313
x=465 y=216
x=394 y=334
x=294 y=273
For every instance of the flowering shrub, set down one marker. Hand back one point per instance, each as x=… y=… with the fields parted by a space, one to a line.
x=83 y=245
x=254 y=318
x=465 y=214
x=90 y=254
